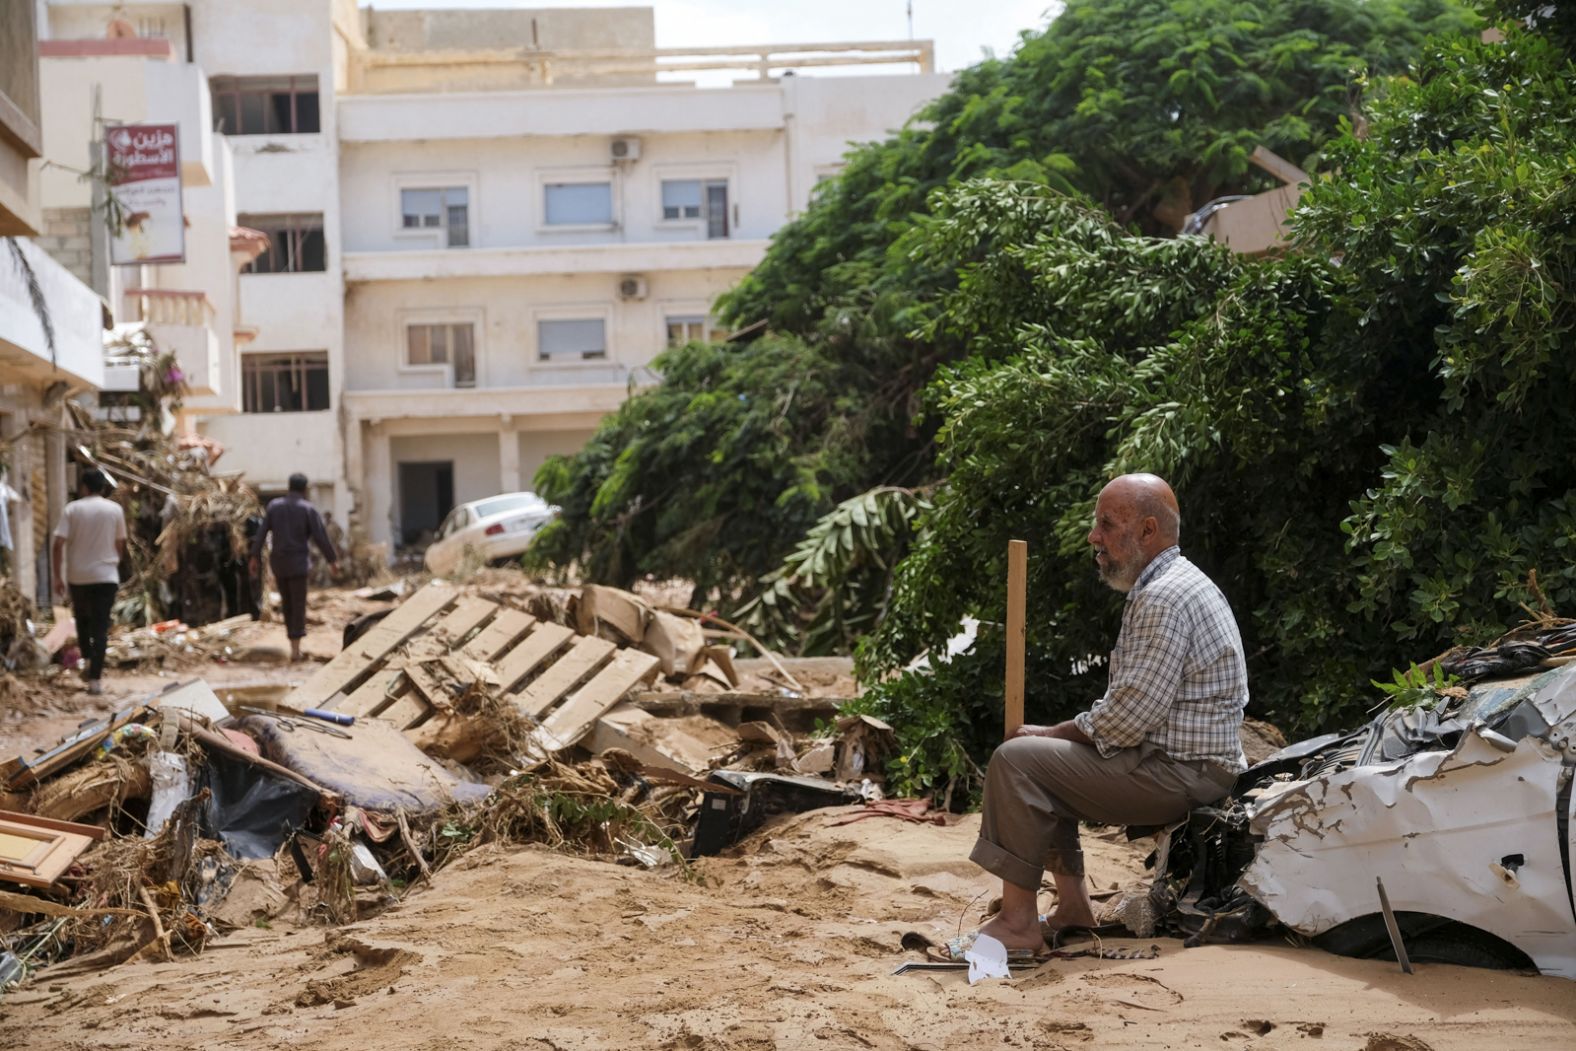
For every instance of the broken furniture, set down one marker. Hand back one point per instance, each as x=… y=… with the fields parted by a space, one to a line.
x=34 y=851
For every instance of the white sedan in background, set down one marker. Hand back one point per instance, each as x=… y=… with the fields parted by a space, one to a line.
x=496 y=529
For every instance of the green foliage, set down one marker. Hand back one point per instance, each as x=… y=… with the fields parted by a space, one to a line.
x=832 y=589
x=1371 y=454
x=1151 y=109
x=1415 y=688
x=1145 y=108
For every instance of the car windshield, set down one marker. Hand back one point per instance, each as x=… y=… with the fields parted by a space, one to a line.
x=503 y=504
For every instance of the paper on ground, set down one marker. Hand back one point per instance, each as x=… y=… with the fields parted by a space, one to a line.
x=987 y=958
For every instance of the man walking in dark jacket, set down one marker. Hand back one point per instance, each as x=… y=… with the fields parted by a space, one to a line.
x=295 y=525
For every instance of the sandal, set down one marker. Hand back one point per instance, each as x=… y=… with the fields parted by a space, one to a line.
x=953 y=951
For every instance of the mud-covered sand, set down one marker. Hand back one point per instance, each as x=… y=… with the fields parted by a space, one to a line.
x=788 y=945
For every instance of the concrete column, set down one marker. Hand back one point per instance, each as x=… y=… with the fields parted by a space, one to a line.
x=379 y=485
x=20 y=477
x=55 y=486
x=350 y=499
x=508 y=456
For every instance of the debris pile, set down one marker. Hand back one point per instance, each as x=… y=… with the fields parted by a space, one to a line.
x=586 y=722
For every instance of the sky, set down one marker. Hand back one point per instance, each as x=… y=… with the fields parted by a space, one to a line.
x=963 y=30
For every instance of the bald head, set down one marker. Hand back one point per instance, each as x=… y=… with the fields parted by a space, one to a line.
x=1149 y=496
x=1135 y=518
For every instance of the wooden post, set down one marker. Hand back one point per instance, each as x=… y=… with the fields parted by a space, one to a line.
x=1017 y=586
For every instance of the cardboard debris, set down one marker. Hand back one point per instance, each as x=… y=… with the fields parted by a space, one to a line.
x=194 y=697
x=603 y=608
x=863 y=747
x=779 y=741
x=693 y=744
x=677 y=642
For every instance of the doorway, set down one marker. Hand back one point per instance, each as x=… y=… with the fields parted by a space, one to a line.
x=426 y=496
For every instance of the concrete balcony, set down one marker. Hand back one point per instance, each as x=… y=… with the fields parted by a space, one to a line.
x=140 y=82
x=75 y=317
x=619 y=258
x=561 y=111
x=565 y=397
x=181 y=323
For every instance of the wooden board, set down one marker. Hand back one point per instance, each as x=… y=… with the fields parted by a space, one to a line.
x=410 y=709
x=530 y=654
x=351 y=667
x=34 y=851
x=498 y=636
x=575 y=718
x=22 y=771
x=468 y=614
x=584 y=657
x=372 y=694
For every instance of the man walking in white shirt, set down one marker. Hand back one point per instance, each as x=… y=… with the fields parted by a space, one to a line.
x=89 y=543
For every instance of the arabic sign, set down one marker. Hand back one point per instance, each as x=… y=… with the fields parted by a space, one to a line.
x=147 y=225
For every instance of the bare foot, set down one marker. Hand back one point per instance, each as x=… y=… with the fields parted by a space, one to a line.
x=1014 y=937
x=1065 y=917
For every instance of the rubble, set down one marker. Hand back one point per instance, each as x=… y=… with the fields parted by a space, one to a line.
x=470 y=717
x=1471 y=786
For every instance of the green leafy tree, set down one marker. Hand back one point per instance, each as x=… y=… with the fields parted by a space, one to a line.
x=1368 y=436
x=1146 y=109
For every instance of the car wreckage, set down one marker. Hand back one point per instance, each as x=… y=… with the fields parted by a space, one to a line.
x=1440 y=833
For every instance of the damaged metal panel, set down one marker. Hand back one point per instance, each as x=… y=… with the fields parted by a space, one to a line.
x=1479 y=834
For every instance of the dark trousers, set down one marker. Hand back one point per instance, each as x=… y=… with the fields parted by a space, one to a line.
x=91 y=605
x=292 y=593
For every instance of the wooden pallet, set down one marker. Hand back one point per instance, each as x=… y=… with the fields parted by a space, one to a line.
x=440 y=642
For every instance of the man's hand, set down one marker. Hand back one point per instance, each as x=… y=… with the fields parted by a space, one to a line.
x=59 y=589
x=1067 y=731
x=334 y=570
x=252 y=566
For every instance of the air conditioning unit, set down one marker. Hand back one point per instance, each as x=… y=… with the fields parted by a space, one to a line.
x=632 y=286
x=626 y=148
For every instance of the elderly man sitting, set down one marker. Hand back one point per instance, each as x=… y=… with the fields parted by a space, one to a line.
x=1163 y=739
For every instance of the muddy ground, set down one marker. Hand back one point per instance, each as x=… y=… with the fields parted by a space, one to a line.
x=788 y=943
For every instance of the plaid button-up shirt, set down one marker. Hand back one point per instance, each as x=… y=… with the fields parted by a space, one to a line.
x=1178 y=678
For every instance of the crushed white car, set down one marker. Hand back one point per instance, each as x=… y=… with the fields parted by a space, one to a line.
x=1464 y=812
x=496 y=529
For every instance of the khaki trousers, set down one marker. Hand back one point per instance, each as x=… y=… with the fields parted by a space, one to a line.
x=1037 y=789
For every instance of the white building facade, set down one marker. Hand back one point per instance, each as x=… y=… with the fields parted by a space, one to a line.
x=484 y=225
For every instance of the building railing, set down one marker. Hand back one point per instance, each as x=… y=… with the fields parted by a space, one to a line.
x=539 y=67
x=168 y=306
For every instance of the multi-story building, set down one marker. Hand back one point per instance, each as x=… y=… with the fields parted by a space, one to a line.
x=482 y=226
x=51 y=323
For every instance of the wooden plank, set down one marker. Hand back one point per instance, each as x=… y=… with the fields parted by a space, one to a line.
x=352 y=666
x=372 y=694
x=529 y=655
x=575 y=718
x=505 y=629
x=584 y=657
x=468 y=614
x=410 y=709
x=1017 y=587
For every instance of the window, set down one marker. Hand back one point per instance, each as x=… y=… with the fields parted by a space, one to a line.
x=705 y=199
x=446 y=209
x=692 y=328
x=444 y=344
x=265 y=105
x=296 y=382
x=578 y=203
x=577 y=340
x=295 y=244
